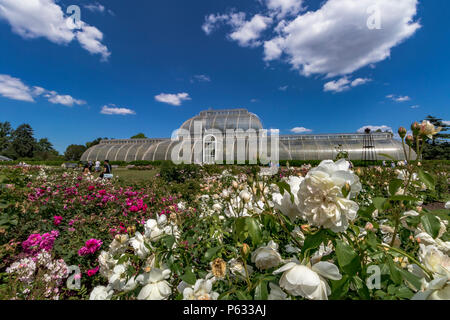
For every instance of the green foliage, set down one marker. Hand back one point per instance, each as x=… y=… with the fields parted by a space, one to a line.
x=139 y=136
x=74 y=152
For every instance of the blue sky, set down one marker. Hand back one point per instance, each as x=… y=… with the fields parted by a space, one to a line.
x=302 y=66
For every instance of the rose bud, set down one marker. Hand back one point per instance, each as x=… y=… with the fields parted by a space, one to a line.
x=402 y=132
x=409 y=140
x=415 y=127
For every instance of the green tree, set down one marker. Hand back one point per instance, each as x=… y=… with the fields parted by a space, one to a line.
x=74 y=152
x=23 y=141
x=5 y=135
x=95 y=142
x=43 y=145
x=45 y=151
x=437 y=148
x=139 y=136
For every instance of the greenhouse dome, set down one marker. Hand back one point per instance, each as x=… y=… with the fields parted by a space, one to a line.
x=204 y=139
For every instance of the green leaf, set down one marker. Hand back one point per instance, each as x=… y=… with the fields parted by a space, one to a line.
x=361 y=288
x=240 y=229
x=254 y=230
x=339 y=288
x=427 y=179
x=169 y=241
x=412 y=279
x=242 y=296
x=348 y=259
x=431 y=224
x=261 y=292
x=211 y=253
x=313 y=241
x=394 y=271
x=404 y=293
x=379 y=203
x=394 y=186
x=371 y=240
x=189 y=276
x=123 y=259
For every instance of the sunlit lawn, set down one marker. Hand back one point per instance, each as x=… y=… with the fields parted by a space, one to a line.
x=132 y=176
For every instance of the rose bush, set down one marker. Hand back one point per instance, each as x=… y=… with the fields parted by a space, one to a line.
x=305 y=233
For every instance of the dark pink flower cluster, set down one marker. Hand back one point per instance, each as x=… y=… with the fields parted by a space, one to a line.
x=36 y=242
x=91 y=246
x=57 y=220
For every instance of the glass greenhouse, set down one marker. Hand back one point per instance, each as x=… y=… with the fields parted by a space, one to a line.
x=223 y=136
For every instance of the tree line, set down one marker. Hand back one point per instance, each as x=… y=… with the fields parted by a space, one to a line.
x=20 y=144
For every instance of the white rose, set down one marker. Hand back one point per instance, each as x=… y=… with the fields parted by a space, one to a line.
x=119 y=244
x=245 y=196
x=438 y=289
x=237 y=268
x=447 y=205
x=320 y=196
x=434 y=260
x=284 y=203
x=138 y=244
x=155 y=285
x=202 y=290
x=101 y=293
x=106 y=263
x=308 y=282
x=267 y=257
x=153 y=231
x=118 y=280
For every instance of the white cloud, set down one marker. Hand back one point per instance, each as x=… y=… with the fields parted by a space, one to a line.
x=283 y=88
x=398 y=98
x=116 y=111
x=201 y=78
x=249 y=32
x=65 y=100
x=447 y=123
x=37 y=91
x=360 y=81
x=335 y=39
x=245 y=33
x=44 y=18
x=415 y=107
x=273 y=49
x=282 y=8
x=173 y=99
x=337 y=85
x=14 y=88
x=212 y=21
x=90 y=39
x=300 y=130
x=344 y=84
x=254 y=100
x=375 y=128
x=95 y=7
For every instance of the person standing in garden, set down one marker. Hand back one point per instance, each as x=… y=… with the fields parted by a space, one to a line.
x=107 y=171
x=97 y=166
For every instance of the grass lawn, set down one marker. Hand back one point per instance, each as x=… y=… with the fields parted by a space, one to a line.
x=134 y=176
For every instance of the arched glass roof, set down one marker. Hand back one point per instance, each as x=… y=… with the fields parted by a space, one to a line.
x=290 y=147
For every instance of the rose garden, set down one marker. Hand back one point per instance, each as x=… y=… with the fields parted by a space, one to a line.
x=317 y=232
